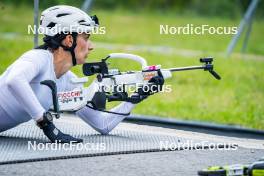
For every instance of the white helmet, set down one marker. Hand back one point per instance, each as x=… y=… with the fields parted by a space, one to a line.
x=59 y=21
x=66 y=19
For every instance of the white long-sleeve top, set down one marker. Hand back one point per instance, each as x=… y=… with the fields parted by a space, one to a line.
x=23 y=98
x=21 y=94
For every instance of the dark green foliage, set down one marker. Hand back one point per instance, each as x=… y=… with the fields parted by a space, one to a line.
x=222 y=8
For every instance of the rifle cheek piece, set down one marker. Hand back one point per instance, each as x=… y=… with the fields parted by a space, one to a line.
x=90 y=69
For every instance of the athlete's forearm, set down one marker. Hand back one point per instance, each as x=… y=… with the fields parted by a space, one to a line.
x=124 y=107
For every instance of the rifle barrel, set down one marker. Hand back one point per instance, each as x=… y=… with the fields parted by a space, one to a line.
x=186 y=68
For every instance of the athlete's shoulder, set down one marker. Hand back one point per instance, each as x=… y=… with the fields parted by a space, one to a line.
x=37 y=55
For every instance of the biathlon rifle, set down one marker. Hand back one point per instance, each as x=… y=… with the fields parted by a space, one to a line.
x=96 y=94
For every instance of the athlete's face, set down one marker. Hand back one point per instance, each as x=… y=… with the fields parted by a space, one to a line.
x=83 y=48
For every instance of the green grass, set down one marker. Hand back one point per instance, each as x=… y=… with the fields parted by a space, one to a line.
x=237 y=99
x=127 y=28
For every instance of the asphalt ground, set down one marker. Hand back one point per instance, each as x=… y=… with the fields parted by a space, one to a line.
x=177 y=162
x=182 y=163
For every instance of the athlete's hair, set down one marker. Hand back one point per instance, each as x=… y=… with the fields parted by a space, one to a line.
x=54 y=42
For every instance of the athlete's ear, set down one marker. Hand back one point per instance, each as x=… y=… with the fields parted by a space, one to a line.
x=68 y=40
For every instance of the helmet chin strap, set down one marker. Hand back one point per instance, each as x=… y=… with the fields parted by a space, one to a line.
x=71 y=49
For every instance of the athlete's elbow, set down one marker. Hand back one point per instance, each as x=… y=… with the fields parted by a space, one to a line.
x=103 y=131
x=10 y=83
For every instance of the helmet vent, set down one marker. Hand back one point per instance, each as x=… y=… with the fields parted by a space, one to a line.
x=62 y=14
x=85 y=24
x=54 y=8
x=51 y=25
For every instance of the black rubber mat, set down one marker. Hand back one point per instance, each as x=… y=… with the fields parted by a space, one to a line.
x=26 y=142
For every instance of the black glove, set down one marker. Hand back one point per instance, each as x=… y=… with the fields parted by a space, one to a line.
x=158 y=82
x=54 y=134
x=142 y=93
x=154 y=86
